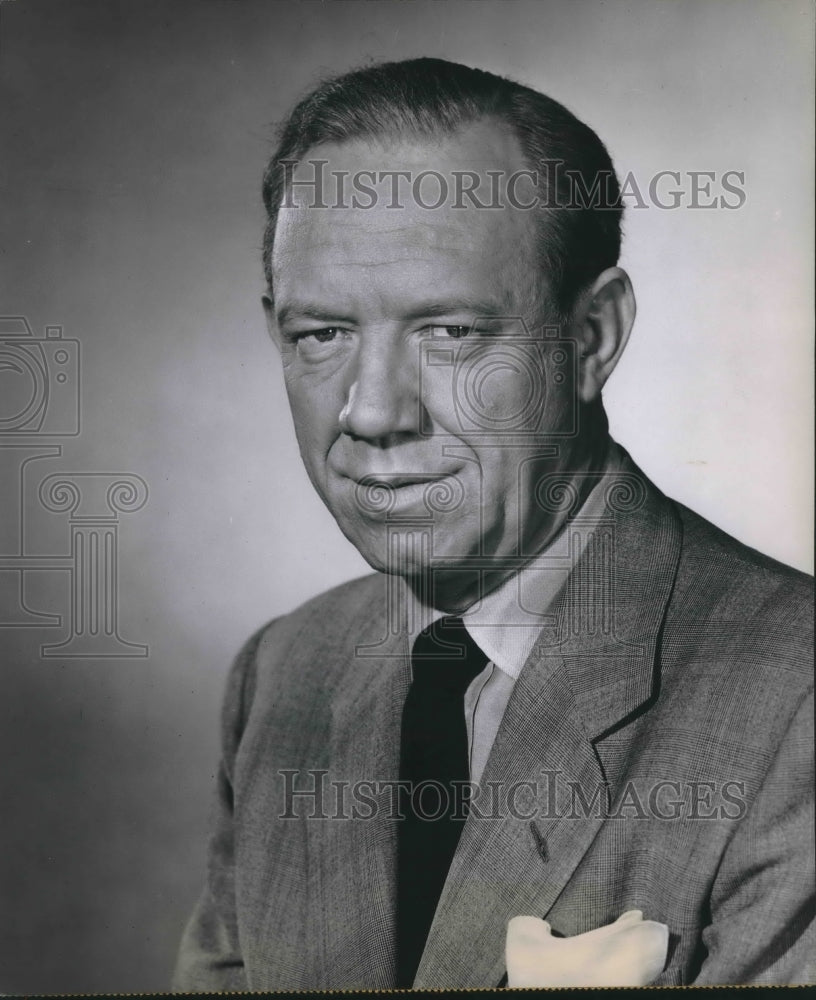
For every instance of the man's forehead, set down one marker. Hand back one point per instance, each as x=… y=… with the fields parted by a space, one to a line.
x=357 y=236
x=403 y=197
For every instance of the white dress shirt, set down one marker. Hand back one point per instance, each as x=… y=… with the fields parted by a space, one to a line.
x=506 y=623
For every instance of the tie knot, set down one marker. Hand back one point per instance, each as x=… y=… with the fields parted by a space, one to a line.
x=445 y=656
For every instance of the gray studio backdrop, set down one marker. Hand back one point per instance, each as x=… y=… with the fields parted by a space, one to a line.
x=154 y=486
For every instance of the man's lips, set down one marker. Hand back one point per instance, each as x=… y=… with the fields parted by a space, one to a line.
x=379 y=494
x=396 y=480
x=398 y=474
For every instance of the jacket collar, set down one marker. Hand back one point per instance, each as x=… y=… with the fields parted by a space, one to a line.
x=612 y=611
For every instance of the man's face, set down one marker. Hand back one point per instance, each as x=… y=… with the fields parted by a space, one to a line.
x=413 y=424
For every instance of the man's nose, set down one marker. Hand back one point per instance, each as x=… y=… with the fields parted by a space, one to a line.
x=382 y=399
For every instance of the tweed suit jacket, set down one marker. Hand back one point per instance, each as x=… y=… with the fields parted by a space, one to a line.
x=659 y=741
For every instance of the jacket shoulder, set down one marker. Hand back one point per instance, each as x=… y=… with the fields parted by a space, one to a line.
x=736 y=573
x=327 y=613
x=744 y=605
x=323 y=625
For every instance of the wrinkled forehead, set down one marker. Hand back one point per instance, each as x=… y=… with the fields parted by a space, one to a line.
x=411 y=199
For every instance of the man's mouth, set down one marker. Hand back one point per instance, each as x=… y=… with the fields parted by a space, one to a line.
x=397 y=480
x=379 y=494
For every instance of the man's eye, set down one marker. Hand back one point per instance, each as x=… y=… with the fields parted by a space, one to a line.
x=323 y=336
x=456 y=332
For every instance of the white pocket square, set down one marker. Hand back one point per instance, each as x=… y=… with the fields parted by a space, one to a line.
x=629 y=952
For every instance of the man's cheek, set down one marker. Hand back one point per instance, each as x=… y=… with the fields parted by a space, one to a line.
x=313 y=376
x=315 y=412
x=484 y=393
x=314 y=441
x=437 y=392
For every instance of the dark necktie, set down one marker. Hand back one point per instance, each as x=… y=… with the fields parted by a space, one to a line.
x=434 y=766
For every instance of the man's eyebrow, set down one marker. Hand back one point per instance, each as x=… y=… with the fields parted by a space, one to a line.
x=427 y=310
x=303 y=310
x=454 y=306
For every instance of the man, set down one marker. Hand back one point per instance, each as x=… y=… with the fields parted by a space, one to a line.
x=563 y=696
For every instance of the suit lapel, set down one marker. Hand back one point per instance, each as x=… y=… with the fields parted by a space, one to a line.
x=498 y=871
x=586 y=677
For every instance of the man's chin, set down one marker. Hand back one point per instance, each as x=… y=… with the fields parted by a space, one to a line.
x=408 y=552
x=394 y=561
x=447 y=582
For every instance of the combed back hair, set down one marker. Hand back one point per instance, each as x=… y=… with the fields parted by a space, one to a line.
x=433 y=97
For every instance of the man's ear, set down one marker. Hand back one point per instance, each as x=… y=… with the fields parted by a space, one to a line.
x=271 y=321
x=601 y=325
